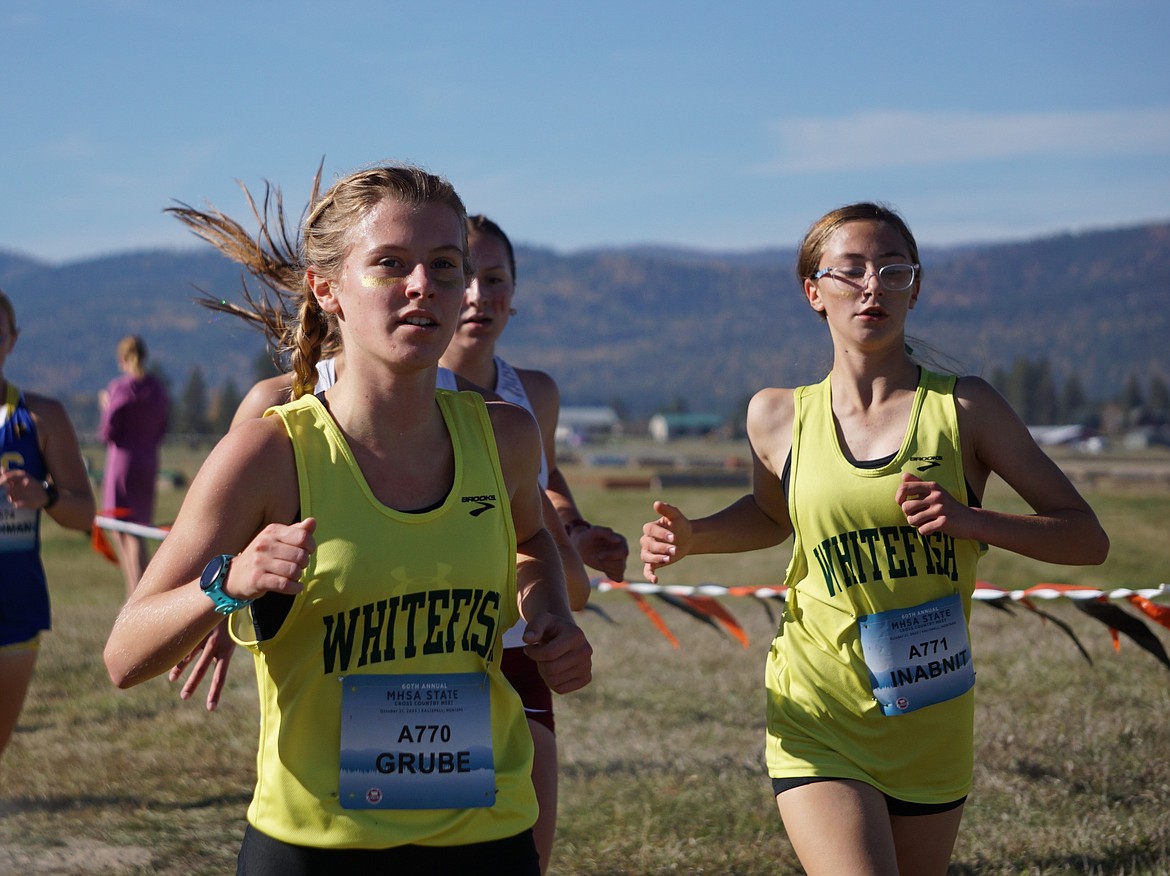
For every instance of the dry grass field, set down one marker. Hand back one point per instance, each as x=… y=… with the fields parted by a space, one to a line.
x=661 y=757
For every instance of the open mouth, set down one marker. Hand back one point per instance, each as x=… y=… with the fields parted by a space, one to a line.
x=424 y=321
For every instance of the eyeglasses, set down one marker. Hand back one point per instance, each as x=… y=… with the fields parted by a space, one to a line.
x=892 y=278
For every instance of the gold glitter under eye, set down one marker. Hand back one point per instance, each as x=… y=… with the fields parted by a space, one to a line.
x=371 y=282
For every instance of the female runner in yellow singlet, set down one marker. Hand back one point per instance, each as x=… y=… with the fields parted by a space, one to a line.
x=877 y=472
x=370 y=544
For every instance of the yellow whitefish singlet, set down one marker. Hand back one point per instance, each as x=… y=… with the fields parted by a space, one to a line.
x=391 y=594
x=855 y=556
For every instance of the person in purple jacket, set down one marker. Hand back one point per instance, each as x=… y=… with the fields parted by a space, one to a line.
x=134 y=420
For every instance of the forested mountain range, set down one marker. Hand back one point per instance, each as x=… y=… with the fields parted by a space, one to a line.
x=646 y=327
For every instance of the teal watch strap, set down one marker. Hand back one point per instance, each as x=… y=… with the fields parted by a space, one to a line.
x=212 y=580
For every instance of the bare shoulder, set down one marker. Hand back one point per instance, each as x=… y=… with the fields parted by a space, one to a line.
x=769 y=426
x=513 y=424
x=44 y=407
x=57 y=440
x=538 y=384
x=517 y=440
x=770 y=408
x=970 y=389
x=980 y=404
x=255 y=460
x=247 y=481
x=273 y=390
x=464 y=385
x=543 y=395
x=263 y=395
x=255 y=444
x=993 y=435
x=52 y=423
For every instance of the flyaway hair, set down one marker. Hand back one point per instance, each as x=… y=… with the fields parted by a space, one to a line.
x=272 y=258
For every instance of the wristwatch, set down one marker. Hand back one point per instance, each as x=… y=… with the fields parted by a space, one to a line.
x=575 y=524
x=212 y=580
x=51 y=494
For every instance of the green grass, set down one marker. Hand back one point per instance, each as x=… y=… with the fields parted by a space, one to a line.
x=661 y=757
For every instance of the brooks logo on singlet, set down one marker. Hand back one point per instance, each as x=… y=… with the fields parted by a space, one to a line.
x=484 y=502
x=928 y=462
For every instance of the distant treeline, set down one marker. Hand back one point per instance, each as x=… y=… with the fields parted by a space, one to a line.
x=1040 y=396
x=1070 y=327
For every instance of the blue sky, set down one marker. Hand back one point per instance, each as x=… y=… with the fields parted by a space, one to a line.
x=720 y=125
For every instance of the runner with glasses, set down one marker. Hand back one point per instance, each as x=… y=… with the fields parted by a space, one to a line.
x=877 y=473
x=852 y=279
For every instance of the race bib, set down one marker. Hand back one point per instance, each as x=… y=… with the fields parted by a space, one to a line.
x=416 y=742
x=18 y=526
x=917 y=656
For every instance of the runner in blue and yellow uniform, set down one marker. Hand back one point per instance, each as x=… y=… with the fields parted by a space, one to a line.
x=371 y=544
x=877 y=472
x=41 y=469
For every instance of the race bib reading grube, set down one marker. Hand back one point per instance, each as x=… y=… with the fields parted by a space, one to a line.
x=416 y=742
x=917 y=656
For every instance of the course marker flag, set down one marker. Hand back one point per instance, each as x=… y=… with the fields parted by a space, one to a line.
x=1105 y=606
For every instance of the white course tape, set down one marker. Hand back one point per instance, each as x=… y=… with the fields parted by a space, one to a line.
x=1161 y=593
x=130 y=528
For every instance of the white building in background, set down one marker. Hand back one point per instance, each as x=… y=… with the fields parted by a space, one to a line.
x=1072 y=433
x=667 y=427
x=580 y=425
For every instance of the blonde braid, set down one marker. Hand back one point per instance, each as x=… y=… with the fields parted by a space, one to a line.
x=304 y=342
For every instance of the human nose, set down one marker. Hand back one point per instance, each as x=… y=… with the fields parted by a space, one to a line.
x=871 y=278
x=419 y=283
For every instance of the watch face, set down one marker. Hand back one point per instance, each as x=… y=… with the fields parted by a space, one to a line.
x=211 y=573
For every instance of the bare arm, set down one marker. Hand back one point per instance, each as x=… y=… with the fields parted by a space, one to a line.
x=576 y=577
x=108 y=404
x=753 y=522
x=244 y=503
x=545 y=400
x=214 y=653
x=597 y=546
x=74 y=508
x=263 y=395
x=555 y=642
x=1064 y=529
